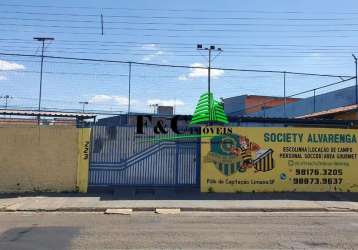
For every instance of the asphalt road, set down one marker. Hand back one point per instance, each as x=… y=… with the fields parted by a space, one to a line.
x=183 y=231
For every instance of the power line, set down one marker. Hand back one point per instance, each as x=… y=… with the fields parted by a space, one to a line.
x=122 y=75
x=175 y=17
x=341 y=64
x=180 y=36
x=179 y=49
x=181 y=10
x=69 y=73
x=172 y=66
x=178 y=30
x=330 y=55
x=184 y=24
x=188 y=45
x=231 y=51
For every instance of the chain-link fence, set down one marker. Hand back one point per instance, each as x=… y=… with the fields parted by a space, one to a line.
x=109 y=86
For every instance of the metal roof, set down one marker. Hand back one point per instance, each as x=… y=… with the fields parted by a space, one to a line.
x=297 y=121
x=331 y=111
x=47 y=113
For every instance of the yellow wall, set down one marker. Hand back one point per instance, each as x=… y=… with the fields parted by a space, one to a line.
x=83 y=159
x=44 y=158
x=241 y=159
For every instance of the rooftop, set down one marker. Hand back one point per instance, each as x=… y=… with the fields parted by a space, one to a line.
x=331 y=111
x=47 y=113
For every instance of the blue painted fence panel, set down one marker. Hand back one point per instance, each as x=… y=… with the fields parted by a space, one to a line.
x=121 y=157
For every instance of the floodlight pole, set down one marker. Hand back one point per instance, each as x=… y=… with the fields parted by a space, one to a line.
x=209 y=49
x=43 y=40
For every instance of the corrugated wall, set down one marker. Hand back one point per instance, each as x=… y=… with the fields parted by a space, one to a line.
x=119 y=156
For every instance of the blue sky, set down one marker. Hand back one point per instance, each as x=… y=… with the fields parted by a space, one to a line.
x=305 y=36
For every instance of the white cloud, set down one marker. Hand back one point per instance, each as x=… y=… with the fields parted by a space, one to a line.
x=200 y=73
x=155 y=51
x=110 y=99
x=317 y=55
x=150 y=46
x=3 y=78
x=169 y=102
x=146 y=58
x=150 y=57
x=7 y=66
x=183 y=78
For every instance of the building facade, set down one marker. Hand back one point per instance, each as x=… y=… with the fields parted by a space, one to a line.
x=246 y=104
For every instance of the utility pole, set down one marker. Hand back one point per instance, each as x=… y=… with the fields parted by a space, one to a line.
x=43 y=40
x=83 y=105
x=209 y=49
x=355 y=61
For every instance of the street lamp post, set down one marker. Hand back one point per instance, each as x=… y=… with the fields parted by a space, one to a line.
x=209 y=49
x=43 y=40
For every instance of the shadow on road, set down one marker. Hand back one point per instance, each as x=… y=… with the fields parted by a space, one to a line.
x=193 y=194
x=35 y=237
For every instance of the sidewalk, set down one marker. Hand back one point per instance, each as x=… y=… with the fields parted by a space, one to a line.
x=215 y=202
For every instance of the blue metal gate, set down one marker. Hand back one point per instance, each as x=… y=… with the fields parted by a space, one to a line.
x=119 y=157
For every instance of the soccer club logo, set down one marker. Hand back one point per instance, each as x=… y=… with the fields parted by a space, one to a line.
x=236 y=153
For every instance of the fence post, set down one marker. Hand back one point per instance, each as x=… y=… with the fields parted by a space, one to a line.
x=176 y=163
x=284 y=93
x=198 y=162
x=356 y=77
x=314 y=100
x=129 y=86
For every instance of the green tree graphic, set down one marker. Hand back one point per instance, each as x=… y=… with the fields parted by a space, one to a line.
x=202 y=109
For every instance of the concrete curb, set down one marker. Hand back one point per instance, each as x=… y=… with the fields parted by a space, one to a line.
x=122 y=211
x=167 y=210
